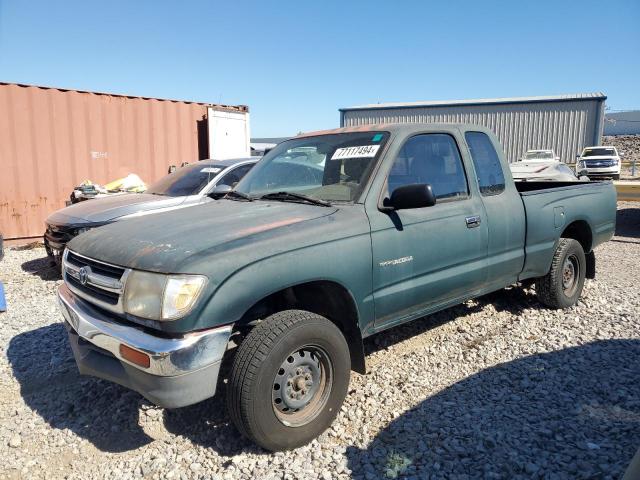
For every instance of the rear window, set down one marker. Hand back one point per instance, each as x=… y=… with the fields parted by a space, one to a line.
x=486 y=162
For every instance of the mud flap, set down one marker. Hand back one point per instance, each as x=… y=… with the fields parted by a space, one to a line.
x=591 y=265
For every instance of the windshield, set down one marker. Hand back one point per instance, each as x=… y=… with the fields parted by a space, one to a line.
x=324 y=167
x=595 y=152
x=542 y=155
x=188 y=180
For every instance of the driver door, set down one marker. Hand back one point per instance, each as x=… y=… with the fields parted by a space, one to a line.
x=425 y=258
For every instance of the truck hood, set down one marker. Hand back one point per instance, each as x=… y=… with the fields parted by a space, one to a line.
x=168 y=241
x=108 y=209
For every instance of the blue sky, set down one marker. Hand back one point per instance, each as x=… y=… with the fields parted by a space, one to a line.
x=296 y=63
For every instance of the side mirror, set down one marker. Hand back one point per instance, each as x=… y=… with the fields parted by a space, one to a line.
x=416 y=195
x=220 y=190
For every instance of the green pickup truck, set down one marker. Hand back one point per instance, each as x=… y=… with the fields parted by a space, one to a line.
x=332 y=237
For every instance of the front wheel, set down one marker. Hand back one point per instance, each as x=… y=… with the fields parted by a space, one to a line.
x=562 y=286
x=288 y=380
x=616 y=176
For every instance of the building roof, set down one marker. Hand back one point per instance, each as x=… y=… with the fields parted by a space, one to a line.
x=481 y=101
x=240 y=108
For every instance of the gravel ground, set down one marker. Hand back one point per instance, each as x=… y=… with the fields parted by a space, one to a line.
x=496 y=388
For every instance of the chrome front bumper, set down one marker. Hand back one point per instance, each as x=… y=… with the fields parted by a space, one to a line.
x=181 y=371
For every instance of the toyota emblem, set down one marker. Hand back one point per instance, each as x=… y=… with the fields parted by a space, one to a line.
x=83 y=275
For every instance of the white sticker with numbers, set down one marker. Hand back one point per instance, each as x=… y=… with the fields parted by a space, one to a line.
x=364 y=151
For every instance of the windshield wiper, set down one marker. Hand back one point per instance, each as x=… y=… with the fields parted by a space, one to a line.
x=237 y=194
x=294 y=197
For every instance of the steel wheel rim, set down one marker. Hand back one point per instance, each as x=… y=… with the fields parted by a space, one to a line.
x=570 y=275
x=302 y=385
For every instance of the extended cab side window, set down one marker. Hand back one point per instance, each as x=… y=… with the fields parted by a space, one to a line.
x=434 y=159
x=487 y=163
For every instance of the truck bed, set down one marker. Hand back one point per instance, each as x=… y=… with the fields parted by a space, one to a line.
x=552 y=207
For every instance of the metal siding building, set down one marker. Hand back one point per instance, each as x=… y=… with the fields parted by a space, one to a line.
x=564 y=123
x=53 y=139
x=622 y=123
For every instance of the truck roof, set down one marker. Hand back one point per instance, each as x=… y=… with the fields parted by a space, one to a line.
x=396 y=127
x=227 y=162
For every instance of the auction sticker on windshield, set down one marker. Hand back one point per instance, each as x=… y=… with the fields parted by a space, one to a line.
x=363 y=151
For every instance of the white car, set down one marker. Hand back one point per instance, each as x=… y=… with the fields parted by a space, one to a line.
x=599 y=162
x=540 y=156
x=544 y=171
x=190 y=185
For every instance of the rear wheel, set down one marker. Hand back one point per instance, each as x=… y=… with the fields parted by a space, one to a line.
x=288 y=380
x=562 y=286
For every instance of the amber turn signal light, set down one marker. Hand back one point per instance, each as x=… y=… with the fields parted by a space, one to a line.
x=134 y=356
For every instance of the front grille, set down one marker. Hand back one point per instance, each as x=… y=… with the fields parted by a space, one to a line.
x=599 y=163
x=97 y=282
x=102 y=268
x=95 y=292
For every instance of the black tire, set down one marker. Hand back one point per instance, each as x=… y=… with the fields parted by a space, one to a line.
x=260 y=390
x=562 y=286
x=616 y=177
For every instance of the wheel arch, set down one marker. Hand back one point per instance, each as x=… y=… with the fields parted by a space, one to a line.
x=323 y=297
x=581 y=231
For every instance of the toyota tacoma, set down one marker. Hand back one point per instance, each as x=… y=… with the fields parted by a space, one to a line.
x=332 y=237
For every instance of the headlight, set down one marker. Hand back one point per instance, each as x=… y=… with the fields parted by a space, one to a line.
x=161 y=297
x=180 y=294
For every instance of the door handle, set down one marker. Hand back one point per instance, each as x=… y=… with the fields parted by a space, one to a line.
x=473 y=221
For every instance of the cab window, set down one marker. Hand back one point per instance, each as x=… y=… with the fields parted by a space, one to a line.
x=434 y=159
x=486 y=162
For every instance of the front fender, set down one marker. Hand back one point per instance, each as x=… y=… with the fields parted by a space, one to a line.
x=345 y=261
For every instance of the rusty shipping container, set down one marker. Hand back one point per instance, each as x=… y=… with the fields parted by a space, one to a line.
x=53 y=139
